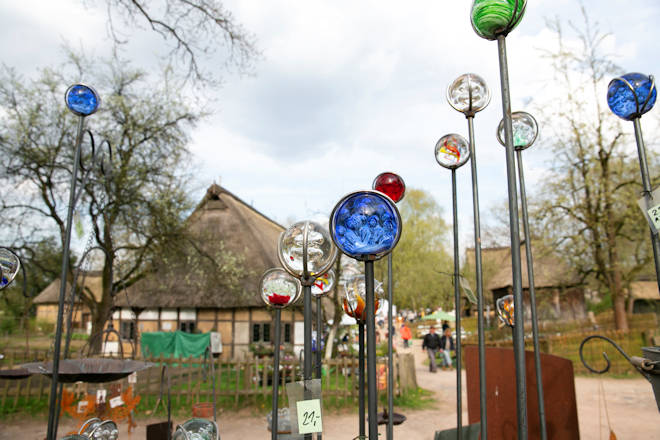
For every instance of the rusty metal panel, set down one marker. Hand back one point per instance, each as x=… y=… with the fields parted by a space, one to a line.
x=558 y=389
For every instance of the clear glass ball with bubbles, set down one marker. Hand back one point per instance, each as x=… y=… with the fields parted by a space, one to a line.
x=452 y=151
x=196 y=429
x=279 y=288
x=525 y=130
x=324 y=284
x=306 y=250
x=365 y=225
x=468 y=94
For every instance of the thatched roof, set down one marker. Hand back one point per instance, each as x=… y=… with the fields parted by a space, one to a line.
x=644 y=290
x=91 y=280
x=549 y=269
x=224 y=224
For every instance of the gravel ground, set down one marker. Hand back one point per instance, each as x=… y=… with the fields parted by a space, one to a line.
x=632 y=410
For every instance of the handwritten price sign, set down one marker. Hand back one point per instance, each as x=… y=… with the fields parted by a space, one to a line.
x=309 y=416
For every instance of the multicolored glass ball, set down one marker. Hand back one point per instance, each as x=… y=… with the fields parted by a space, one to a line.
x=492 y=18
x=10 y=264
x=365 y=225
x=279 y=288
x=82 y=100
x=390 y=184
x=631 y=95
x=452 y=151
x=324 y=284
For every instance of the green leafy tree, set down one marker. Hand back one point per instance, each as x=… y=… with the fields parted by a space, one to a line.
x=422 y=269
x=134 y=211
x=587 y=208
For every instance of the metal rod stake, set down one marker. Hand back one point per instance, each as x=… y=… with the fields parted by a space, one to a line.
x=480 y=283
x=361 y=384
x=457 y=311
x=372 y=392
x=53 y=407
x=516 y=277
x=319 y=332
x=390 y=355
x=646 y=182
x=307 y=350
x=276 y=372
x=532 y=296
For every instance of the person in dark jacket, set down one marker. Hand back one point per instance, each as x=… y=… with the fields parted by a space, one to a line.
x=446 y=347
x=431 y=344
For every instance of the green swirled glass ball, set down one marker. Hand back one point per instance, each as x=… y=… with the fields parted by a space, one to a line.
x=492 y=18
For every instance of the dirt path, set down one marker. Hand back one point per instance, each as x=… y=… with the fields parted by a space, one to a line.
x=632 y=410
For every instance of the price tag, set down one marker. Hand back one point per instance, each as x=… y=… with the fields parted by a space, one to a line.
x=100 y=396
x=82 y=406
x=651 y=208
x=132 y=378
x=116 y=401
x=309 y=416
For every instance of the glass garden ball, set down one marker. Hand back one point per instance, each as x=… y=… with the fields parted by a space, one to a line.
x=82 y=100
x=631 y=95
x=452 y=151
x=306 y=250
x=525 y=130
x=391 y=185
x=354 y=300
x=101 y=430
x=279 y=288
x=324 y=284
x=468 y=94
x=10 y=264
x=505 y=310
x=365 y=225
x=492 y=18
x=196 y=429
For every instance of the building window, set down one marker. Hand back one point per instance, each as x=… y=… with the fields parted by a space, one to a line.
x=127 y=330
x=261 y=332
x=287 y=333
x=187 y=326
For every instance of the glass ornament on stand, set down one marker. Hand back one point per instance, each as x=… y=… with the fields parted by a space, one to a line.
x=468 y=94
x=197 y=429
x=279 y=288
x=506 y=310
x=10 y=264
x=390 y=184
x=324 y=284
x=525 y=130
x=452 y=151
x=492 y=18
x=306 y=250
x=354 y=298
x=631 y=95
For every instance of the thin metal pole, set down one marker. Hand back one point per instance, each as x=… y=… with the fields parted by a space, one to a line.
x=516 y=277
x=532 y=297
x=307 y=350
x=53 y=408
x=361 y=384
x=480 y=284
x=276 y=372
x=646 y=182
x=457 y=311
x=319 y=332
x=390 y=356
x=372 y=392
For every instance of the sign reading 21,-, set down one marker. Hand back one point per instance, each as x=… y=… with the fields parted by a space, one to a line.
x=309 y=416
x=654 y=215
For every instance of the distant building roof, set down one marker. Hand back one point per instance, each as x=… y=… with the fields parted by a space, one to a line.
x=91 y=280
x=644 y=290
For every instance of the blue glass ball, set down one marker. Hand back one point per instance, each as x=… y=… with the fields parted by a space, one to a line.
x=82 y=100
x=629 y=102
x=365 y=225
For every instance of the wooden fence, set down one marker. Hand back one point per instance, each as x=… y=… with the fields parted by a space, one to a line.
x=237 y=382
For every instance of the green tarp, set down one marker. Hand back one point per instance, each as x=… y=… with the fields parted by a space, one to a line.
x=176 y=344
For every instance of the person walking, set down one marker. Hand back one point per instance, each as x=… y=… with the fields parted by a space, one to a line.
x=446 y=347
x=431 y=344
x=406 y=335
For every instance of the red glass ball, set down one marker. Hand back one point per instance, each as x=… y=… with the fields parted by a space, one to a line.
x=391 y=185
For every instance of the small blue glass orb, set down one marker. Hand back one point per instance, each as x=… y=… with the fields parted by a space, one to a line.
x=631 y=95
x=365 y=225
x=82 y=100
x=452 y=151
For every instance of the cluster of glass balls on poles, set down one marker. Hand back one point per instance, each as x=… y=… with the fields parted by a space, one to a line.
x=364 y=225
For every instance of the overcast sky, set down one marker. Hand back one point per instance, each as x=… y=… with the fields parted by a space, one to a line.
x=346 y=90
